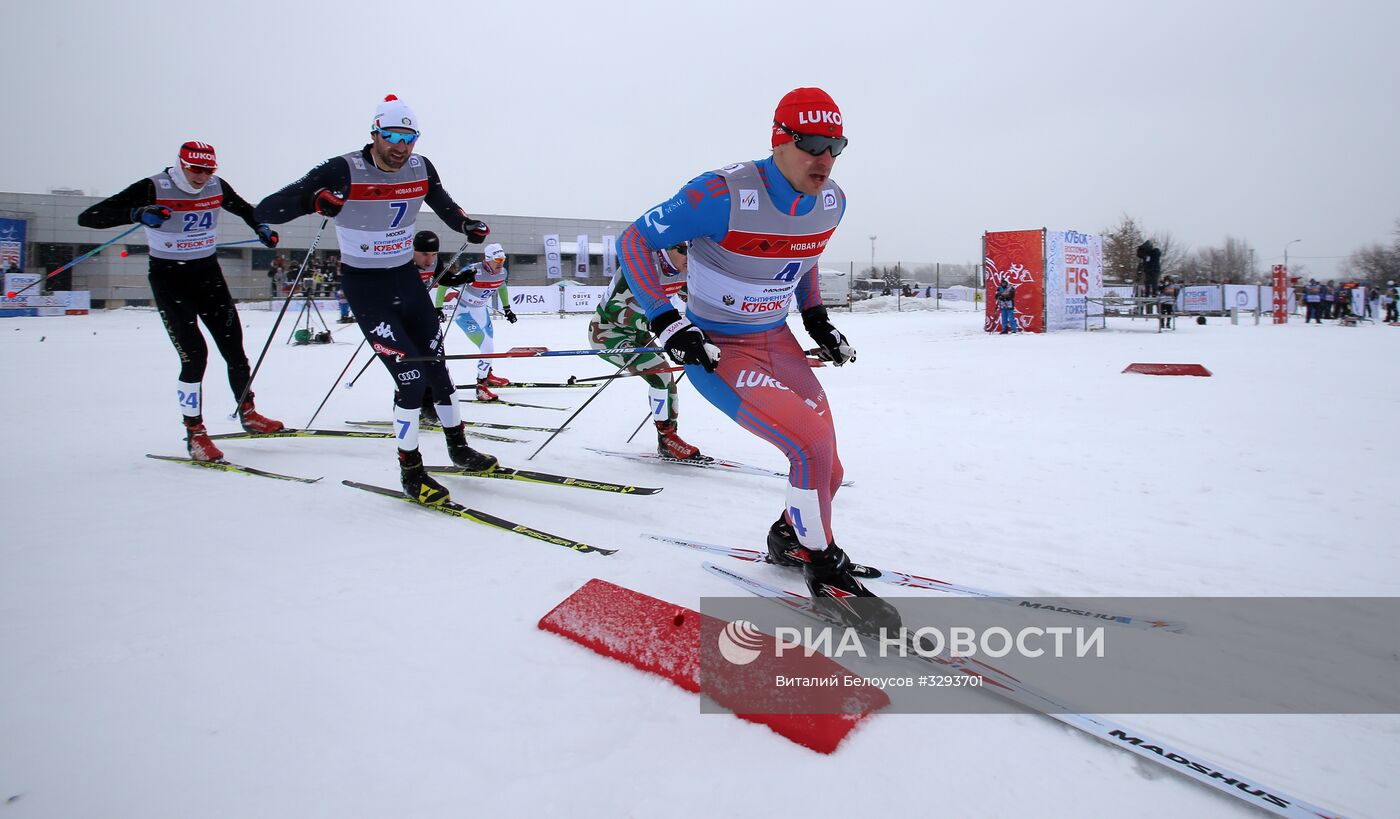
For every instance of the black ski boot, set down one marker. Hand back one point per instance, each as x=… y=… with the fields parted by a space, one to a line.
x=783 y=547
x=829 y=578
x=463 y=455
x=417 y=483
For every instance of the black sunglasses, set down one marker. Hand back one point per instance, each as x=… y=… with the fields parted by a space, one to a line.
x=814 y=144
x=683 y=249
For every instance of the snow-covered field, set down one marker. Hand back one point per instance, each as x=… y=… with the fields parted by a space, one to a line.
x=185 y=643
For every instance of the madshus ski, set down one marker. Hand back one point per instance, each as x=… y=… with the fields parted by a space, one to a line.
x=710 y=463
x=232 y=467
x=438 y=427
x=457 y=510
x=914 y=581
x=509 y=474
x=998 y=682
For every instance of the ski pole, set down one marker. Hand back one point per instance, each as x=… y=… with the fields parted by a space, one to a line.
x=573 y=379
x=301 y=272
x=581 y=408
x=109 y=243
x=239 y=242
x=351 y=385
x=337 y=381
x=540 y=352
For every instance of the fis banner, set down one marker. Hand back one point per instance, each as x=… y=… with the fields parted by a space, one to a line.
x=552 y=263
x=1073 y=275
x=1017 y=256
x=581 y=258
x=609 y=257
x=12 y=238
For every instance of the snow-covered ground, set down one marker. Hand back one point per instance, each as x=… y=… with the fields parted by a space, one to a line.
x=186 y=643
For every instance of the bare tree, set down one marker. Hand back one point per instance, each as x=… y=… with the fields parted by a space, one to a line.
x=1120 y=244
x=1376 y=263
x=1219 y=265
x=1174 y=255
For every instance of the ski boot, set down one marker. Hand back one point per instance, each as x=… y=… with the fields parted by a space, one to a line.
x=670 y=445
x=198 y=443
x=417 y=484
x=483 y=391
x=493 y=380
x=463 y=455
x=428 y=416
x=783 y=547
x=255 y=422
x=829 y=577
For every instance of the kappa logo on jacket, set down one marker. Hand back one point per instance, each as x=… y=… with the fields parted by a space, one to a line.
x=384 y=331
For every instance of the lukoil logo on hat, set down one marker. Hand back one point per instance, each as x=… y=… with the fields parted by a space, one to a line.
x=198 y=153
x=739 y=642
x=395 y=113
x=806 y=111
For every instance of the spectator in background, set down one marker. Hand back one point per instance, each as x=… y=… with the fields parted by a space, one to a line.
x=1388 y=301
x=1149 y=267
x=1329 y=299
x=1312 y=298
x=1166 y=304
x=1006 y=303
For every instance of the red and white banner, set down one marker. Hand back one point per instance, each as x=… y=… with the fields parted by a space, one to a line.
x=1280 y=282
x=1017 y=256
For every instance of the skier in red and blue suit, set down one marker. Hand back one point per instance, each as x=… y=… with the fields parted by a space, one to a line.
x=757 y=230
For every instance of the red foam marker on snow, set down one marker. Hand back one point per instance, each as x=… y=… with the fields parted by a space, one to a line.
x=679 y=643
x=1167 y=369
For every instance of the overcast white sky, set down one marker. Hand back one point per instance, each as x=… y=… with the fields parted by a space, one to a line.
x=1266 y=121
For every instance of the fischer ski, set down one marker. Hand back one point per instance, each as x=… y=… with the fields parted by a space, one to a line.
x=506 y=473
x=301 y=433
x=438 y=427
x=457 y=510
x=709 y=463
x=232 y=467
x=485 y=436
x=914 y=581
x=528 y=385
x=998 y=682
x=502 y=403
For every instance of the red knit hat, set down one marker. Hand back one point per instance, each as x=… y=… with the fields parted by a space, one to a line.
x=806 y=111
x=200 y=154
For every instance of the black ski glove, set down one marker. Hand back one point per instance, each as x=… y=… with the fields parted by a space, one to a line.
x=327 y=202
x=831 y=341
x=267 y=236
x=684 y=342
x=476 y=230
x=464 y=275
